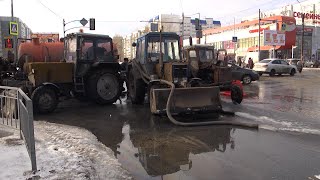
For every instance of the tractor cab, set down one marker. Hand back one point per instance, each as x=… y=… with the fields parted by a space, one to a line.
x=162 y=60
x=207 y=64
x=89 y=51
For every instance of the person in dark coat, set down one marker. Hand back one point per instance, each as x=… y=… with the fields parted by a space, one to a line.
x=124 y=64
x=250 y=63
x=239 y=61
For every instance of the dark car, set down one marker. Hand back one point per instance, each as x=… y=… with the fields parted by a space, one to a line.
x=243 y=74
x=311 y=64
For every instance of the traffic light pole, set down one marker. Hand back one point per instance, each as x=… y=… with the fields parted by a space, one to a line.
x=15 y=39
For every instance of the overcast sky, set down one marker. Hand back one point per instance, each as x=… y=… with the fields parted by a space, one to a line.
x=127 y=13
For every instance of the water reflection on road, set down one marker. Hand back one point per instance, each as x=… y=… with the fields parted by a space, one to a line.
x=162 y=150
x=151 y=147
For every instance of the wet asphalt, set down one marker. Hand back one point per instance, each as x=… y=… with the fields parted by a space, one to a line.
x=287 y=145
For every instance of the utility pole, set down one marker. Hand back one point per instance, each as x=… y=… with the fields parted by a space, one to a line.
x=15 y=38
x=11 y=10
x=259 y=36
x=200 y=30
x=234 y=34
x=182 y=29
x=302 y=41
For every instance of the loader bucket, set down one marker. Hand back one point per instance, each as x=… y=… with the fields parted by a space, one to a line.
x=186 y=100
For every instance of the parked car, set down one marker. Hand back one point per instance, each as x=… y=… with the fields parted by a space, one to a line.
x=311 y=64
x=295 y=62
x=274 y=66
x=243 y=74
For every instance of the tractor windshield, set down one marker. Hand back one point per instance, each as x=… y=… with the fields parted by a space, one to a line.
x=71 y=50
x=169 y=49
x=205 y=55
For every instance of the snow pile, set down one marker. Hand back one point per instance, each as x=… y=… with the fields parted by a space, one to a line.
x=13 y=157
x=63 y=152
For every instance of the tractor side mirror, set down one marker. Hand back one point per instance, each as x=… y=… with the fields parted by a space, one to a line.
x=134 y=44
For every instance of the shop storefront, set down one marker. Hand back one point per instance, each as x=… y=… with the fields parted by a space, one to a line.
x=247 y=34
x=311 y=10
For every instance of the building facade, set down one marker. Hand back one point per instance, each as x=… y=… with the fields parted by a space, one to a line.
x=173 y=23
x=167 y=23
x=311 y=10
x=46 y=37
x=24 y=32
x=247 y=34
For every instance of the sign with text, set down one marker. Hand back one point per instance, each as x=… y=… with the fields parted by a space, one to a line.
x=274 y=38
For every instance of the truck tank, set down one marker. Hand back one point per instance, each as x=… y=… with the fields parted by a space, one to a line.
x=40 y=52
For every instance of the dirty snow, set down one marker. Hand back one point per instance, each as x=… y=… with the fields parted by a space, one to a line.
x=63 y=152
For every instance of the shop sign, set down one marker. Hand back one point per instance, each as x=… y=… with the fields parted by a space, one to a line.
x=306 y=15
x=257 y=30
x=307 y=31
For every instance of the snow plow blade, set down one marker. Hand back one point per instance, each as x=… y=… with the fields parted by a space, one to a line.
x=186 y=100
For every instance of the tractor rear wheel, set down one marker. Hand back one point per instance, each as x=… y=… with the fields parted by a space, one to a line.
x=236 y=94
x=103 y=87
x=44 y=99
x=137 y=89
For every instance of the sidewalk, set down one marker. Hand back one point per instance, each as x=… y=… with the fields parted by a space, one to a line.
x=63 y=152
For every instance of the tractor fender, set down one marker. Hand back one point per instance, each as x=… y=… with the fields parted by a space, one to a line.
x=103 y=65
x=53 y=86
x=134 y=70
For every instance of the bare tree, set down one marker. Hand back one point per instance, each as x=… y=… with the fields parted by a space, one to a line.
x=118 y=41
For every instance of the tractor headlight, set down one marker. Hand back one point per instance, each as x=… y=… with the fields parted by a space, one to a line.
x=185 y=79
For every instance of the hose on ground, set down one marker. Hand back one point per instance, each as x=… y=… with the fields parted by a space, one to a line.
x=174 y=121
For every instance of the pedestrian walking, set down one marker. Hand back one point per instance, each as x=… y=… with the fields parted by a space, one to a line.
x=239 y=61
x=299 y=66
x=250 y=63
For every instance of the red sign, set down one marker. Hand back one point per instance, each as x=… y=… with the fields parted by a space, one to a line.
x=306 y=15
x=257 y=30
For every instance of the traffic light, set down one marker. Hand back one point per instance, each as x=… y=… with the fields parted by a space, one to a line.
x=8 y=43
x=92 y=24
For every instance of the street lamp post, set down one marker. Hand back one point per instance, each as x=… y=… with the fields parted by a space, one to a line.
x=293 y=47
x=259 y=36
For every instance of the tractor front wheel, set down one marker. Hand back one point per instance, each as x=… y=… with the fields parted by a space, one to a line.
x=236 y=94
x=137 y=88
x=44 y=99
x=103 y=87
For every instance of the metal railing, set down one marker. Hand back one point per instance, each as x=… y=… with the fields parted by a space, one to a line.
x=17 y=112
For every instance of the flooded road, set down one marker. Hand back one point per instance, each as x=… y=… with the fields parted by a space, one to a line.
x=150 y=147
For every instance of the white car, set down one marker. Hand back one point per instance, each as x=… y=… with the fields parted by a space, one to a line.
x=274 y=66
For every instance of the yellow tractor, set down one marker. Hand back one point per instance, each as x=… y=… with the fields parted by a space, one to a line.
x=89 y=70
x=208 y=67
x=159 y=71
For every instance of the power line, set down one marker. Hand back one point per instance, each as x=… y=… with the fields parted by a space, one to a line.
x=255 y=7
x=50 y=9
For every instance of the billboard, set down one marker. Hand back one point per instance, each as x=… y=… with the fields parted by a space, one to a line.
x=274 y=38
x=46 y=37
